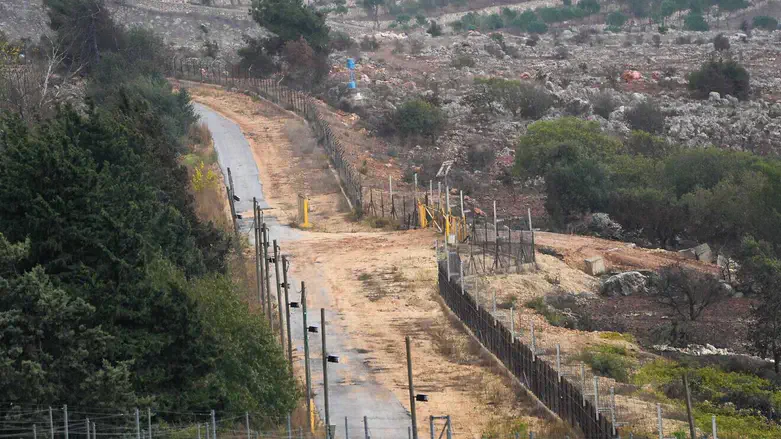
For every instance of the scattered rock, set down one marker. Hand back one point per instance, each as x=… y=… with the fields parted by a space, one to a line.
x=625 y=284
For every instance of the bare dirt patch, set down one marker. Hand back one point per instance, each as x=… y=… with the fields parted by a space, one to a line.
x=618 y=255
x=384 y=284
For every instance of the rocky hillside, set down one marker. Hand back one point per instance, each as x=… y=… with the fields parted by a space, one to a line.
x=180 y=23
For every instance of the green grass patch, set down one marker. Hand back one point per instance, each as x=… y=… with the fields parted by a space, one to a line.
x=610 y=361
x=552 y=316
x=742 y=402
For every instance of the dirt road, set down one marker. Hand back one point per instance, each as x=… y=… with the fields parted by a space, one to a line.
x=353 y=391
x=377 y=288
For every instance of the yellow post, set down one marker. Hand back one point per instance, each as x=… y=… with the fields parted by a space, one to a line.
x=422 y=215
x=303 y=212
x=312 y=416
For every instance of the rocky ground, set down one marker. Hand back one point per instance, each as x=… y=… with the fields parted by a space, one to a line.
x=575 y=63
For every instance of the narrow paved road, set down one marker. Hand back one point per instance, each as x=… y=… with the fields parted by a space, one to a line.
x=353 y=392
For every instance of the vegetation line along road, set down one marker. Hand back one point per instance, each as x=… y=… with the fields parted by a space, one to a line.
x=119 y=285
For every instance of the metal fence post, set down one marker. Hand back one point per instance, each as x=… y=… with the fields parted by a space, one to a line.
x=596 y=397
x=149 y=421
x=246 y=421
x=325 y=376
x=214 y=426
x=713 y=426
x=411 y=390
x=365 y=428
x=449 y=428
x=659 y=420
x=307 y=371
x=346 y=429
x=138 y=425
x=279 y=296
x=431 y=426
x=285 y=268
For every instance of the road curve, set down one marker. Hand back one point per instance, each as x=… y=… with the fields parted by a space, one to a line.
x=353 y=392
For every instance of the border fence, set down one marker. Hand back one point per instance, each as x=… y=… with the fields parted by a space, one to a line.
x=561 y=396
x=234 y=75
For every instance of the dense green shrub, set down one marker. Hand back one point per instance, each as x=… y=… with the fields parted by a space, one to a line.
x=370 y=43
x=721 y=43
x=537 y=27
x=765 y=22
x=616 y=18
x=341 y=41
x=434 y=29
x=646 y=144
x=418 y=117
x=603 y=104
x=462 y=60
x=646 y=116
x=609 y=361
x=696 y=22
x=533 y=21
x=480 y=157
x=551 y=315
x=590 y=6
x=725 y=77
x=708 y=194
x=538 y=149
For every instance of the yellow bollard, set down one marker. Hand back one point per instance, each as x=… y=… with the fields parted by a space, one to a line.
x=312 y=416
x=422 y=215
x=303 y=212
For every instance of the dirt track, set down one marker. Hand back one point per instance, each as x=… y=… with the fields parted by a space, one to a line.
x=380 y=286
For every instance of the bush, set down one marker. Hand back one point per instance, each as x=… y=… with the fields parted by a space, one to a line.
x=341 y=41
x=724 y=77
x=416 y=46
x=532 y=40
x=603 y=104
x=590 y=6
x=533 y=100
x=695 y=22
x=765 y=22
x=418 y=117
x=721 y=43
x=646 y=116
x=657 y=39
x=609 y=361
x=561 y=52
x=551 y=315
x=537 y=27
x=648 y=145
x=306 y=67
x=683 y=39
x=434 y=29
x=616 y=19
x=480 y=157
x=462 y=60
x=370 y=43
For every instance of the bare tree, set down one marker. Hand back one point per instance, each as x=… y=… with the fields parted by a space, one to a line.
x=687 y=292
x=29 y=85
